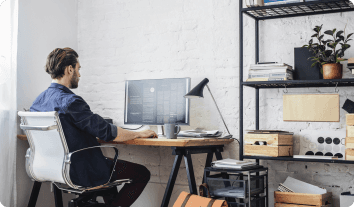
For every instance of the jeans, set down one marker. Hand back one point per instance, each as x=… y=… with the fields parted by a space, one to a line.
x=130 y=192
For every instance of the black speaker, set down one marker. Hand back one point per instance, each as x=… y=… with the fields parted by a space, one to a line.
x=303 y=69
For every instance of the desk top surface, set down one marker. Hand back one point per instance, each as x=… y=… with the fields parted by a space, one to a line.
x=179 y=142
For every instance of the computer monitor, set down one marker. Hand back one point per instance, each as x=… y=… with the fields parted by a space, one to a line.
x=157 y=101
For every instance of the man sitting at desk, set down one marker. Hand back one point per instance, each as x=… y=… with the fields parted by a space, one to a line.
x=81 y=127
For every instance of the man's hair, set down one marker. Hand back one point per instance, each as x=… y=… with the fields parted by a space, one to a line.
x=58 y=60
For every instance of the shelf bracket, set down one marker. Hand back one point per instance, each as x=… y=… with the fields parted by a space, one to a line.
x=286 y=90
x=336 y=89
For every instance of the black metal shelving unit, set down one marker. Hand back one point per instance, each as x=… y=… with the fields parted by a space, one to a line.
x=276 y=12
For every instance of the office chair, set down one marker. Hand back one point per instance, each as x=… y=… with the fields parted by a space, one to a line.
x=48 y=160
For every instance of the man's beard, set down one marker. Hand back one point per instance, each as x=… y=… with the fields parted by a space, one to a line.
x=74 y=82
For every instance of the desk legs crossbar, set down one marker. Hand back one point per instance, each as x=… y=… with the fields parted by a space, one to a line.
x=186 y=153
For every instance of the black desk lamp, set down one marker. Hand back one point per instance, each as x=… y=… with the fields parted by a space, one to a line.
x=197 y=92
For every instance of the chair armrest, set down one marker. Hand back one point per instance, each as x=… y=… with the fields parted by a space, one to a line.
x=40 y=128
x=68 y=157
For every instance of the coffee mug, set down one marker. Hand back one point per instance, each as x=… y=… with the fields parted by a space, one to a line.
x=171 y=130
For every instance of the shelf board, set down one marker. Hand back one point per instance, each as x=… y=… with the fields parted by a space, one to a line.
x=300 y=83
x=299 y=9
x=297 y=159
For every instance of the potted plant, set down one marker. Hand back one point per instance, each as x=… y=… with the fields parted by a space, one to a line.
x=326 y=53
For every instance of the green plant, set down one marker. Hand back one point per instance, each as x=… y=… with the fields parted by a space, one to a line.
x=325 y=51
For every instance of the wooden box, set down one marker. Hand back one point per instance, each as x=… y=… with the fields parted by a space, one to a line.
x=350 y=131
x=271 y=139
x=349 y=142
x=350 y=119
x=285 y=199
x=349 y=154
x=272 y=151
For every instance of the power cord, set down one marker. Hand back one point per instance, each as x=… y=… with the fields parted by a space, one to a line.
x=236 y=140
x=133 y=129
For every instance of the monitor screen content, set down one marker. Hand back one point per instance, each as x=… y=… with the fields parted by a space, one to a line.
x=157 y=101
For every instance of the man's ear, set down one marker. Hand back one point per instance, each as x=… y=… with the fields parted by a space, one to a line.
x=69 y=69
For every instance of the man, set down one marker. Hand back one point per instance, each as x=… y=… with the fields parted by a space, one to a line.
x=81 y=127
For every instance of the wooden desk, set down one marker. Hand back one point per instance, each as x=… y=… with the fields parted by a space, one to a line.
x=179 y=142
x=181 y=147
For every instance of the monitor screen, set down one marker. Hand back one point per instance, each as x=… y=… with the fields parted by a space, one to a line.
x=157 y=101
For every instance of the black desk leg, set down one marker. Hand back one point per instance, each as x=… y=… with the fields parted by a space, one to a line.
x=57 y=196
x=34 y=195
x=218 y=155
x=209 y=159
x=171 y=181
x=190 y=174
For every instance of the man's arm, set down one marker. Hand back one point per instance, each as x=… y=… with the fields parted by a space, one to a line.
x=125 y=135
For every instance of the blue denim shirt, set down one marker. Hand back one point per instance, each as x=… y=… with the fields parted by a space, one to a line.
x=81 y=127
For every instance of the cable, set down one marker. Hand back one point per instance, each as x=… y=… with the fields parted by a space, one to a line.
x=236 y=140
x=133 y=129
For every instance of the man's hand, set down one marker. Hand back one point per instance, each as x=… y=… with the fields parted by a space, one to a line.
x=125 y=135
x=146 y=134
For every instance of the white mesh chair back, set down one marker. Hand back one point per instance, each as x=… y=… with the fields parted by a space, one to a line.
x=48 y=149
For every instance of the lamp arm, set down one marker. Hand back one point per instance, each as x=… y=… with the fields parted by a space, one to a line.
x=218 y=108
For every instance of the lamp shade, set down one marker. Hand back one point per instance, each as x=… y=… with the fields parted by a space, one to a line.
x=197 y=91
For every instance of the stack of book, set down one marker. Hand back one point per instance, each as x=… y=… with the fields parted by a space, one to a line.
x=270 y=72
x=351 y=64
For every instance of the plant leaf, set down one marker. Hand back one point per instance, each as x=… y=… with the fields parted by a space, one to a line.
x=313 y=64
x=314 y=35
x=328 y=53
x=320 y=38
x=339 y=33
x=329 y=32
x=349 y=35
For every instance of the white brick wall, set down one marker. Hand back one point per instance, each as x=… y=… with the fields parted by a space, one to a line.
x=134 y=39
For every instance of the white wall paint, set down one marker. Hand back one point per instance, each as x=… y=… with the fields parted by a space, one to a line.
x=134 y=39
x=43 y=26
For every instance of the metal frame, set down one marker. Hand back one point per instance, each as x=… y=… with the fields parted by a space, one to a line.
x=186 y=152
x=298 y=9
x=330 y=6
x=241 y=173
x=274 y=12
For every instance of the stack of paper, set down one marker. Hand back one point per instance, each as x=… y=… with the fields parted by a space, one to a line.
x=199 y=133
x=233 y=164
x=298 y=186
x=270 y=72
x=283 y=188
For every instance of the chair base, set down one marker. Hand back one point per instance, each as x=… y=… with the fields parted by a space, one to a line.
x=85 y=199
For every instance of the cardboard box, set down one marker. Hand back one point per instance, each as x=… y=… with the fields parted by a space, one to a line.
x=350 y=119
x=349 y=154
x=350 y=131
x=271 y=139
x=272 y=151
x=349 y=142
x=285 y=199
x=311 y=107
